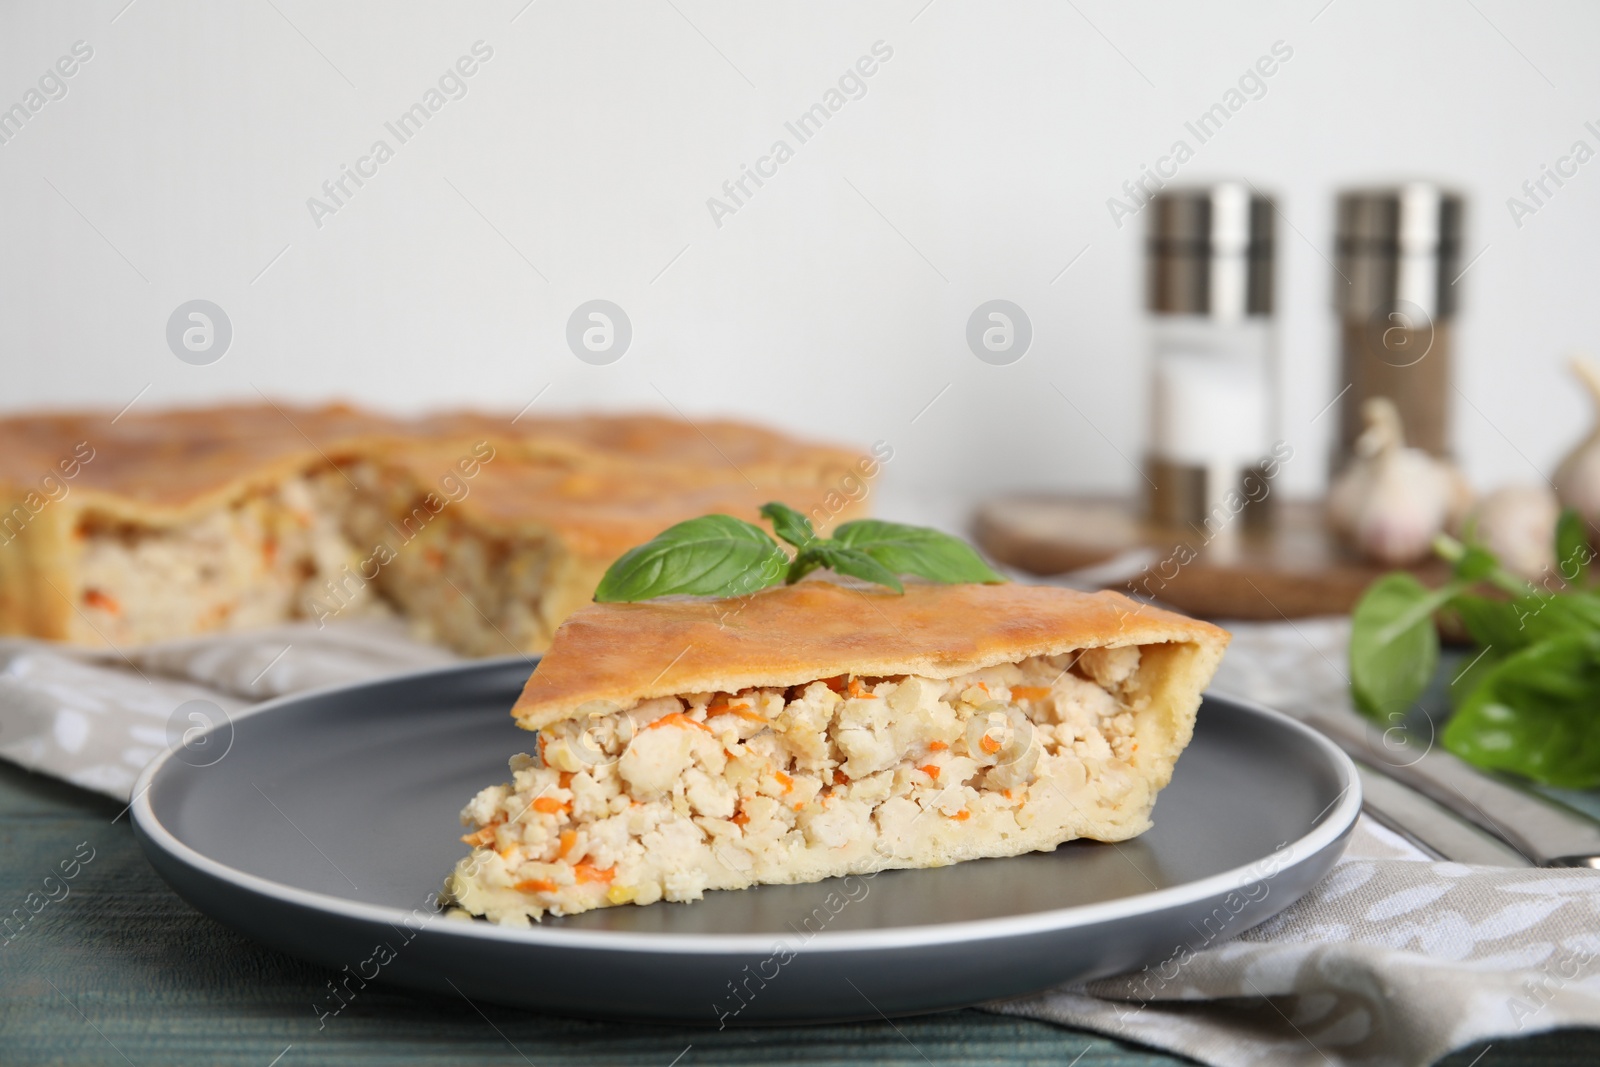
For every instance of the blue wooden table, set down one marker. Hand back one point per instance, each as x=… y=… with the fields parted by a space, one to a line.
x=121 y=971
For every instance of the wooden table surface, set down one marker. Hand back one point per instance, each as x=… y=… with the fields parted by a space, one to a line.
x=121 y=971
x=1289 y=567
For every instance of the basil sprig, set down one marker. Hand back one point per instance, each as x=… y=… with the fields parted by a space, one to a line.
x=1527 y=701
x=718 y=555
x=813 y=552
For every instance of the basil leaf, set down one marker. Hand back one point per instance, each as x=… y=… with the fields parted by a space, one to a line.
x=806 y=561
x=1573 y=553
x=1491 y=623
x=1466 y=683
x=714 y=555
x=1476 y=564
x=917 y=550
x=1534 y=714
x=1394 y=647
x=789 y=524
x=1553 y=614
x=842 y=560
x=1509 y=625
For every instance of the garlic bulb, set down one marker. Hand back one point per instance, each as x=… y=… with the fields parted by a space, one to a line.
x=1391 y=501
x=1518 y=524
x=1577 y=480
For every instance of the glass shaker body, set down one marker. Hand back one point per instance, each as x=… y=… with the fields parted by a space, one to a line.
x=1213 y=360
x=1395 y=292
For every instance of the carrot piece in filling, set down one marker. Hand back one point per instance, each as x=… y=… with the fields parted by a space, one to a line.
x=586 y=873
x=104 y=601
x=678 y=718
x=741 y=710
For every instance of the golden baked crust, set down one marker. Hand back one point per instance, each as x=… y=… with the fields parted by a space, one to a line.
x=719 y=447
x=587 y=486
x=163 y=464
x=620 y=654
x=592 y=510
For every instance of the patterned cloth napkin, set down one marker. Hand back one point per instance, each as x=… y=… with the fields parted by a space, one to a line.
x=1391 y=960
x=96 y=718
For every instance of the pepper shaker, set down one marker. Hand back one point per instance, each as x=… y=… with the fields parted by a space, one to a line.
x=1394 y=290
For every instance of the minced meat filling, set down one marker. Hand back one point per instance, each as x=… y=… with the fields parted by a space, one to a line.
x=721 y=790
x=335 y=544
x=256 y=563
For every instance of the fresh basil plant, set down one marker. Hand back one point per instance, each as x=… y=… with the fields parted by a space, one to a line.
x=1529 y=700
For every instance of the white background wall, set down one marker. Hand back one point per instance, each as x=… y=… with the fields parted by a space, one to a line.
x=977 y=166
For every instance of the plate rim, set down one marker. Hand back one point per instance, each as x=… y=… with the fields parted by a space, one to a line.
x=1334 y=824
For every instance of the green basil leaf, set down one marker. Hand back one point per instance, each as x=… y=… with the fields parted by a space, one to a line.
x=1573 y=553
x=917 y=550
x=1509 y=625
x=1534 y=714
x=789 y=524
x=1476 y=564
x=842 y=560
x=1466 y=682
x=714 y=555
x=1548 y=615
x=1491 y=623
x=1394 y=647
x=805 y=561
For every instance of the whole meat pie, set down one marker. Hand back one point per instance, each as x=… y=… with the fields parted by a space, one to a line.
x=481 y=530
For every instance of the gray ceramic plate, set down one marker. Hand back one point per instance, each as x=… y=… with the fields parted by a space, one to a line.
x=331 y=820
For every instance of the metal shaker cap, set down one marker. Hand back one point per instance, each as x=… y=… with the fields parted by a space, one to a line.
x=1398 y=246
x=1210 y=252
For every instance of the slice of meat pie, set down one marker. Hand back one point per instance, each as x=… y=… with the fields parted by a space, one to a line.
x=822 y=729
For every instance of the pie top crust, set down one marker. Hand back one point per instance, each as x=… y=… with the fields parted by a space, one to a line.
x=170 y=465
x=608 y=657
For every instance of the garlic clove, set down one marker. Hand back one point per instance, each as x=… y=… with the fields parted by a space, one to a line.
x=1518 y=524
x=1391 y=501
x=1461 y=494
x=1577 y=479
x=1406 y=508
x=1383 y=432
x=1346 y=497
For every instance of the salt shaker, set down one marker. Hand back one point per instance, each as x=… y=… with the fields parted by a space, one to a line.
x=1213 y=364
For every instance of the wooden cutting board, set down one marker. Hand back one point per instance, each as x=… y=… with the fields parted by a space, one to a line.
x=1285 y=566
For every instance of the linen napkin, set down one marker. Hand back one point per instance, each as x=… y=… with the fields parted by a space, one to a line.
x=1391 y=960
